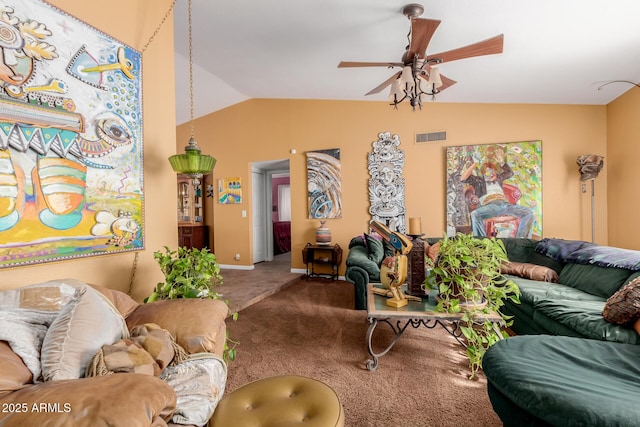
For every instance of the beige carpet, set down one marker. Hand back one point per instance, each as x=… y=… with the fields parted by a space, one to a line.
x=311 y=329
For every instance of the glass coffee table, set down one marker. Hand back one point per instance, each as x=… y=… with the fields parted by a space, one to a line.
x=414 y=314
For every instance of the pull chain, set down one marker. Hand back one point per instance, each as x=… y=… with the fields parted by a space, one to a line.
x=155 y=33
x=134 y=267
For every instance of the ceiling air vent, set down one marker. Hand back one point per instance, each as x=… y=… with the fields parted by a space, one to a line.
x=432 y=136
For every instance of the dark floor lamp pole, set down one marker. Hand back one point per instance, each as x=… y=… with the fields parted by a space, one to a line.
x=590 y=166
x=593 y=211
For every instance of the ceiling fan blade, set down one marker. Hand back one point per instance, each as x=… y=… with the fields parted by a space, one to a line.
x=446 y=82
x=486 y=47
x=421 y=32
x=384 y=84
x=346 y=64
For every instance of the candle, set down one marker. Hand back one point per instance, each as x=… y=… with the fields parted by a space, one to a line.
x=415 y=226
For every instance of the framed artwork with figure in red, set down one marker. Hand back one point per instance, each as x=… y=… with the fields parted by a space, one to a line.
x=495 y=190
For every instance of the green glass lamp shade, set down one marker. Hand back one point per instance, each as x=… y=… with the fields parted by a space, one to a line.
x=192 y=162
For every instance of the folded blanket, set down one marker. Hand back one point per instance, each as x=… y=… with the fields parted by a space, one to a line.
x=579 y=252
x=607 y=256
x=560 y=249
x=25 y=316
x=24 y=330
x=149 y=350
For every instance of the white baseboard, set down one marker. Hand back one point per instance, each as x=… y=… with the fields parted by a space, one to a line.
x=237 y=267
x=252 y=267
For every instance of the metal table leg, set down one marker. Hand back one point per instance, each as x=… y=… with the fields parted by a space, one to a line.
x=398 y=330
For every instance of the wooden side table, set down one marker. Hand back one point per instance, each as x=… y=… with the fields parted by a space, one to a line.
x=319 y=255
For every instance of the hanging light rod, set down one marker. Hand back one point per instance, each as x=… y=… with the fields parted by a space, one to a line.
x=192 y=162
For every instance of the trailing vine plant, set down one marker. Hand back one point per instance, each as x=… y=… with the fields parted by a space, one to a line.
x=467 y=275
x=191 y=273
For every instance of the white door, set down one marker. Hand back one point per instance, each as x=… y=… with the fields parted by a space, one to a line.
x=259 y=216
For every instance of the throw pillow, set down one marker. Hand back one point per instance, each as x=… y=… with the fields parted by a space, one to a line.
x=123 y=302
x=83 y=326
x=530 y=271
x=623 y=307
x=375 y=247
x=432 y=252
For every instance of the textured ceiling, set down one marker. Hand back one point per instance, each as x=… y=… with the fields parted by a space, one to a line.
x=555 y=51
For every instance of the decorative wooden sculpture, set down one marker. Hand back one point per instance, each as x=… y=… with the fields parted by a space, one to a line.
x=386 y=184
x=393 y=271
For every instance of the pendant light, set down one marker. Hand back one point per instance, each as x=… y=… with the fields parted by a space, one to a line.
x=192 y=162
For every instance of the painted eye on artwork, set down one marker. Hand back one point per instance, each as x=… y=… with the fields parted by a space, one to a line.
x=113 y=131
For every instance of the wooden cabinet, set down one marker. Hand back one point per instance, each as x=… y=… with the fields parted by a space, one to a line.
x=193 y=235
x=192 y=231
x=190 y=201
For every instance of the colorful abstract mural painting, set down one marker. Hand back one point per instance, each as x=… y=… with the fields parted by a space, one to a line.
x=230 y=191
x=71 y=149
x=495 y=189
x=324 y=184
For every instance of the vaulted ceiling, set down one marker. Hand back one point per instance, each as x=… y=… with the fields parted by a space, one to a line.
x=555 y=51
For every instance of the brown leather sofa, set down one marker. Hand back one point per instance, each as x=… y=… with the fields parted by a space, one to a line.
x=122 y=399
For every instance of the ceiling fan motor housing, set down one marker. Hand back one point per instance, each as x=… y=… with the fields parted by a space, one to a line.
x=413 y=10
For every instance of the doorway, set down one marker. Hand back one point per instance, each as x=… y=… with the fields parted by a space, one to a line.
x=271 y=203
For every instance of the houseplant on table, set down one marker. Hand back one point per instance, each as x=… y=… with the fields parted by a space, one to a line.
x=467 y=276
x=190 y=273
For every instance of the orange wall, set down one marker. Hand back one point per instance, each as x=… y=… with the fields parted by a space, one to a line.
x=621 y=165
x=259 y=130
x=132 y=23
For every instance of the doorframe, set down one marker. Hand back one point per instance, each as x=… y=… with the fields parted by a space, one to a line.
x=264 y=167
x=269 y=178
x=260 y=199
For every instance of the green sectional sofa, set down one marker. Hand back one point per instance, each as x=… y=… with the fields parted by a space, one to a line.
x=568 y=366
x=363 y=265
x=588 y=275
x=544 y=380
x=366 y=253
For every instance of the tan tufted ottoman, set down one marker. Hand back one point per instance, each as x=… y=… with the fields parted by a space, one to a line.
x=287 y=400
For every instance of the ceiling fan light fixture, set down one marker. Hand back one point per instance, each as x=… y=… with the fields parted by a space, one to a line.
x=397 y=90
x=407 y=78
x=434 y=78
x=417 y=78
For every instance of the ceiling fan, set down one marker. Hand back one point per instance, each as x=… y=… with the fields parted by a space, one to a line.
x=418 y=75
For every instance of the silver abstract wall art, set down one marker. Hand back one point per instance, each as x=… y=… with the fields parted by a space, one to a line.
x=386 y=184
x=324 y=188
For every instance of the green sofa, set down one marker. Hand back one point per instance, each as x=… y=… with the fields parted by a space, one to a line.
x=545 y=380
x=365 y=256
x=567 y=366
x=588 y=275
x=363 y=265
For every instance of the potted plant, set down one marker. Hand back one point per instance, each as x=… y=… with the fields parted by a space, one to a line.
x=467 y=276
x=190 y=273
